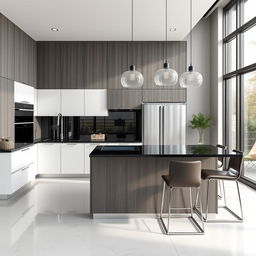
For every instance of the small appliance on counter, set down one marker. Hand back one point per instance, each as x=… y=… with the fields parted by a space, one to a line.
x=98 y=137
x=6 y=144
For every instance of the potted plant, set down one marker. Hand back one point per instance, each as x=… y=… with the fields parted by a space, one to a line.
x=200 y=122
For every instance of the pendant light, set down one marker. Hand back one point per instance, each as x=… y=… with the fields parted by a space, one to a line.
x=132 y=78
x=166 y=76
x=191 y=78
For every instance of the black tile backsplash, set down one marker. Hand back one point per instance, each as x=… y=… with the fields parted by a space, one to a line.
x=120 y=125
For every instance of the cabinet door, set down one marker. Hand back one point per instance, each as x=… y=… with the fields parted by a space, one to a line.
x=48 y=103
x=6 y=48
x=23 y=93
x=165 y=95
x=124 y=99
x=72 y=158
x=48 y=160
x=88 y=148
x=95 y=102
x=6 y=108
x=72 y=102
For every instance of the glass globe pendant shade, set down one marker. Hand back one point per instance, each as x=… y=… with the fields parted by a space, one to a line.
x=132 y=78
x=166 y=76
x=191 y=79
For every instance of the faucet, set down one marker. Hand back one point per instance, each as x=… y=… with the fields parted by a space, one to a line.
x=60 y=126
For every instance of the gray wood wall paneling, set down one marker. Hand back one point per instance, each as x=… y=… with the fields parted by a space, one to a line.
x=6 y=48
x=124 y=99
x=97 y=65
x=6 y=108
x=96 y=56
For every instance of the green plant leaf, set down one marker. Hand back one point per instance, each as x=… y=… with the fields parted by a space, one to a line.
x=200 y=121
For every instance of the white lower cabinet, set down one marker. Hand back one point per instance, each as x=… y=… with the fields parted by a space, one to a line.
x=72 y=158
x=88 y=148
x=17 y=169
x=48 y=158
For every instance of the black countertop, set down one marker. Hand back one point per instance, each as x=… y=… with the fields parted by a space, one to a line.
x=19 y=146
x=163 y=151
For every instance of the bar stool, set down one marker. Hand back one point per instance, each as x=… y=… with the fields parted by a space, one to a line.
x=182 y=174
x=232 y=173
x=221 y=164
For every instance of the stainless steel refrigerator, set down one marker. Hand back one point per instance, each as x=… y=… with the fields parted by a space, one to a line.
x=164 y=124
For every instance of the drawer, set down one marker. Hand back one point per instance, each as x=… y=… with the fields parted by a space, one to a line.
x=21 y=177
x=23 y=157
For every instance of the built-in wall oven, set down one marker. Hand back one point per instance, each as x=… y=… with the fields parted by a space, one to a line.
x=24 y=123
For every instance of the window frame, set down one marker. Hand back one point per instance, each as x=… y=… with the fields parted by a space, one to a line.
x=237 y=73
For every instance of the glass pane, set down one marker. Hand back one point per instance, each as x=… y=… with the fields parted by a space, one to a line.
x=231 y=20
x=231 y=56
x=249 y=87
x=248 y=10
x=231 y=112
x=249 y=46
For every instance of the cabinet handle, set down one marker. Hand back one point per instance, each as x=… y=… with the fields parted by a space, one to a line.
x=71 y=144
x=23 y=168
x=25 y=149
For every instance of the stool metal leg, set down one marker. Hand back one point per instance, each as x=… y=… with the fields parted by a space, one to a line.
x=162 y=202
x=220 y=188
x=238 y=218
x=200 y=228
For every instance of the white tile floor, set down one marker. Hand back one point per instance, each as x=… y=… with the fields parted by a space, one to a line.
x=52 y=220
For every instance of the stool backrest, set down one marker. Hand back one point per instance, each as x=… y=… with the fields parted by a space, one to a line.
x=221 y=158
x=235 y=163
x=185 y=173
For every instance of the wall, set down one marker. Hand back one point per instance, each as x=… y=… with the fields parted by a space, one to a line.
x=207 y=59
x=198 y=99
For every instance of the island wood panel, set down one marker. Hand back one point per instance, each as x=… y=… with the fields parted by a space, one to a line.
x=6 y=48
x=134 y=184
x=6 y=108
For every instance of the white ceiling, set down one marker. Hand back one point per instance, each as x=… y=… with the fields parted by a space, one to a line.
x=82 y=20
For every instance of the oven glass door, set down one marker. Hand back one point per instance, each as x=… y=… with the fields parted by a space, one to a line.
x=24 y=133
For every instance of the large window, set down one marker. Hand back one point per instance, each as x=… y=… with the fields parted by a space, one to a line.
x=240 y=81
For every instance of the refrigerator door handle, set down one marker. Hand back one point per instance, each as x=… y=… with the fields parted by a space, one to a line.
x=160 y=125
x=163 y=125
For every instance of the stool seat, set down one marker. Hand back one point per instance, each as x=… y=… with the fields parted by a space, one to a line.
x=217 y=174
x=166 y=178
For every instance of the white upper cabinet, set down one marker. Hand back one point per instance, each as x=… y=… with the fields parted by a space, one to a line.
x=72 y=102
x=48 y=102
x=95 y=102
x=23 y=93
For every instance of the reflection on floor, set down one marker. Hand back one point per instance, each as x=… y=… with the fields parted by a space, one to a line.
x=250 y=169
x=53 y=219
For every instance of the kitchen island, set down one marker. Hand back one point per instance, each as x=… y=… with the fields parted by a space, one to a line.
x=127 y=179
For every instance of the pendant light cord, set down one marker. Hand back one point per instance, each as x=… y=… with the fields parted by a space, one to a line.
x=132 y=28
x=190 y=32
x=166 y=11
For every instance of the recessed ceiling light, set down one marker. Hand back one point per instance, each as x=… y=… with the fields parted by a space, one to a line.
x=172 y=29
x=54 y=29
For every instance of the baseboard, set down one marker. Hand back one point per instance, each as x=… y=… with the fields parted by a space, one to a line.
x=69 y=176
x=19 y=192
